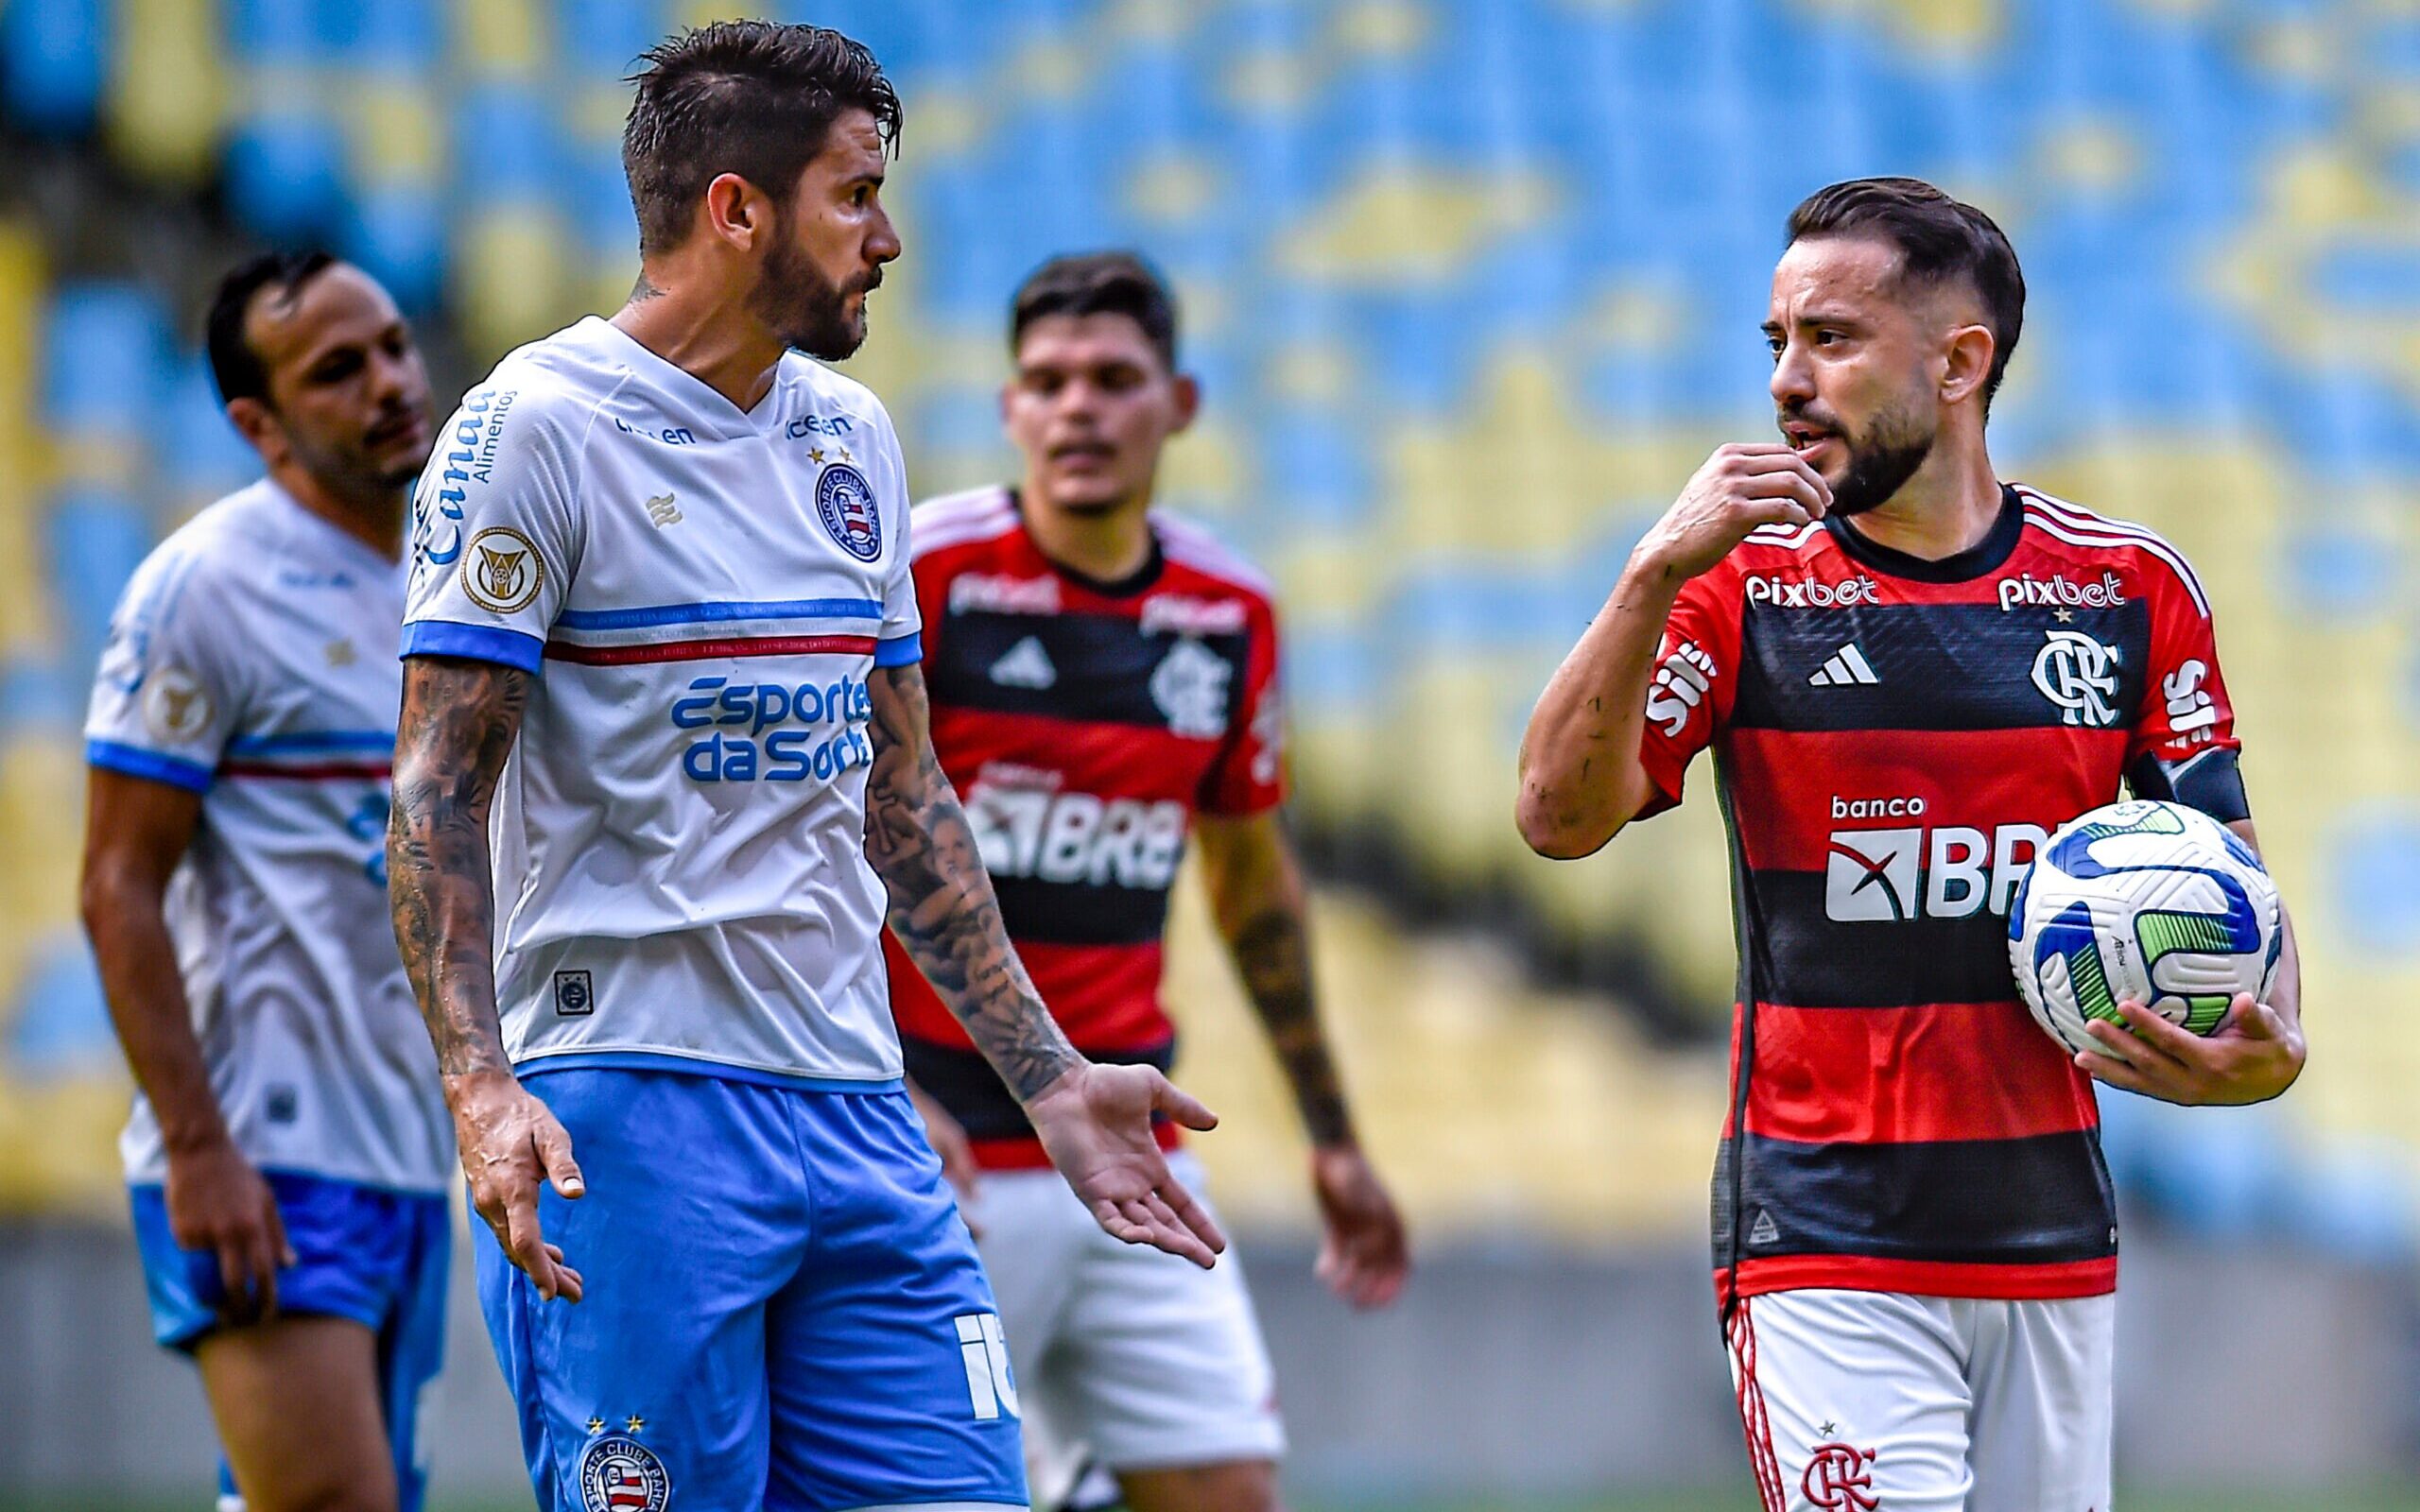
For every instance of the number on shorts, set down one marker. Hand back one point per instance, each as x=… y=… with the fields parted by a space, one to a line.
x=986 y=1354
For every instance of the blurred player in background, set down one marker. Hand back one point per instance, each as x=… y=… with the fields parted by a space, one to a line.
x=661 y=562
x=1104 y=683
x=1909 y=672
x=288 y=1151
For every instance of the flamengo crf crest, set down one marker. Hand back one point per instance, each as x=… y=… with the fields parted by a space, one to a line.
x=1837 y=1479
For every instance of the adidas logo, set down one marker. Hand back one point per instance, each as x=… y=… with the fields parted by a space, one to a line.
x=663 y=511
x=1025 y=665
x=1847 y=665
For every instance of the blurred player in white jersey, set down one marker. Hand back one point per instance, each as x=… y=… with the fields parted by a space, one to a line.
x=289 y=1154
x=662 y=561
x=1105 y=688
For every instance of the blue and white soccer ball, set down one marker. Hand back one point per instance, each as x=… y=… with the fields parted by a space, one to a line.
x=2153 y=901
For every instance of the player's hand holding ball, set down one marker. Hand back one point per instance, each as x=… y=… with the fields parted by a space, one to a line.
x=1742 y=486
x=512 y=1144
x=1095 y=1122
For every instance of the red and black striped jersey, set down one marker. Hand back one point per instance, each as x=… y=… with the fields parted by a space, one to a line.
x=1894 y=739
x=1083 y=725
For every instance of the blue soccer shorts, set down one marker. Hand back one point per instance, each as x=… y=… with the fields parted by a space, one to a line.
x=375 y=1256
x=783 y=1308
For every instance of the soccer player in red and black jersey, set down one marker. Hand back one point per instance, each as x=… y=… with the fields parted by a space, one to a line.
x=1104 y=686
x=1908 y=672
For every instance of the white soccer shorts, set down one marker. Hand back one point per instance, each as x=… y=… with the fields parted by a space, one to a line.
x=1880 y=1402
x=1134 y=1357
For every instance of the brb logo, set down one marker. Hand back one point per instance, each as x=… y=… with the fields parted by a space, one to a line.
x=1839 y=1479
x=2079 y=674
x=1076 y=837
x=1949 y=871
x=800 y=744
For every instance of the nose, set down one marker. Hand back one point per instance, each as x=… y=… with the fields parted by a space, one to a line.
x=882 y=243
x=1793 y=380
x=391 y=378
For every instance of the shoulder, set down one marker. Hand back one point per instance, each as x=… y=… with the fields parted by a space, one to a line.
x=1197 y=550
x=216 y=551
x=950 y=521
x=2096 y=537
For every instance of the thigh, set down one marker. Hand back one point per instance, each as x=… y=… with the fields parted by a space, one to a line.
x=1853 y=1401
x=1166 y=1361
x=2043 y=1407
x=887 y=1368
x=1031 y=1232
x=650 y=1390
x=296 y=1401
x=1239 y=1485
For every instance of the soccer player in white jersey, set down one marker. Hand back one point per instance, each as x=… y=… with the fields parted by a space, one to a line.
x=288 y=1153
x=661 y=561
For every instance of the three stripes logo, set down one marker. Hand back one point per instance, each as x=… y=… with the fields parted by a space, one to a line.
x=1845 y=668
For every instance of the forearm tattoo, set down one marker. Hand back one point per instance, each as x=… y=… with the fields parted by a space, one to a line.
x=457 y=725
x=1273 y=950
x=942 y=908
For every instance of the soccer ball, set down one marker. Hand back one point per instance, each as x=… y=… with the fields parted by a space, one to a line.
x=2153 y=901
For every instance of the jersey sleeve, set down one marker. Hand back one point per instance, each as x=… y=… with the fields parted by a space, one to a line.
x=1689 y=692
x=1249 y=776
x=168 y=694
x=2183 y=746
x=901 y=638
x=495 y=541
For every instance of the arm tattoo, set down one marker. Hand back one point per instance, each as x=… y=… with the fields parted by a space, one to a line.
x=941 y=905
x=458 y=721
x=1273 y=950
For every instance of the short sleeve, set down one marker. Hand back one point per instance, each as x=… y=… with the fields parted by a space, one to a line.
x=2183 y=747
x=900 y=641
x=166 y=695
x=1689 y=692
x=496 y=533
x=1249 y=776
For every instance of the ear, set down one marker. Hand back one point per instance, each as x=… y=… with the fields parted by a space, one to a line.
x=1967 y=363
x=735 y=211
x=1188 y=402
x=258 y=425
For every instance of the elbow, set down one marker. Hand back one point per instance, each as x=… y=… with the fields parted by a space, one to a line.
x=1558 y=836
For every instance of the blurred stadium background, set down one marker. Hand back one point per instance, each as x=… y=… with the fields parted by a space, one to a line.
x=1473 y=285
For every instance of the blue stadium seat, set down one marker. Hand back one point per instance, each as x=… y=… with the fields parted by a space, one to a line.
x=106 y=361
x=286 y=175
x=96 y=539
x=397 y=232
x=54 y=62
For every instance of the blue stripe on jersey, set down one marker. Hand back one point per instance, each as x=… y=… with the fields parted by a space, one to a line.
x=899 y=651
x=136 y=762
x=314 y=743
x=480 y=643
x=695 y=1066
x=716 y=614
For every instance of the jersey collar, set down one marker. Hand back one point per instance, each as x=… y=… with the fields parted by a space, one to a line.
x=701 y=405
x=1137 y=581
x=1985 y=557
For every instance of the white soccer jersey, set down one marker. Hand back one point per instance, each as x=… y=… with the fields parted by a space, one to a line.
x=700 y=593
x=249 y=661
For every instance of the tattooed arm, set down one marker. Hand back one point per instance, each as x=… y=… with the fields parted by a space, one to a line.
x=460 y=718
x=1260 y=903
x=1095 y=1121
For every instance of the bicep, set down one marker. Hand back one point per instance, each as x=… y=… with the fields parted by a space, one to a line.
x=902 y=715
x=459 y=719
x=135 y=829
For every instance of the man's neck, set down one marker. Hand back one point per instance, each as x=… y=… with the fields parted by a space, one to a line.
x=705 y=332
x=1948 y=506
x=1107 y=546
x=375 y=520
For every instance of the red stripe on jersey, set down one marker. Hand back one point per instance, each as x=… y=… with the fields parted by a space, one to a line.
x=314 y=772
x=616 y=656
x=1103 y=758
x=1809 y=784
x=1923 y=1278
x=1876 y=1075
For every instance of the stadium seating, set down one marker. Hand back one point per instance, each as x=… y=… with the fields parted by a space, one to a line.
x=1473 y=285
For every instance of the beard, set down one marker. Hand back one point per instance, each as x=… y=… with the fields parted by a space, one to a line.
x=806 y=310
x=1880 y=463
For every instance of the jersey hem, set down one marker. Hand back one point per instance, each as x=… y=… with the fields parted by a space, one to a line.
x=440 y=1192
x=480 y=643
x=541 y=1062
x=1921 y=1278
x=133 y=760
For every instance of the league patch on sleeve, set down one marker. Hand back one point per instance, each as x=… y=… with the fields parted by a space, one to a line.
x=502 y=571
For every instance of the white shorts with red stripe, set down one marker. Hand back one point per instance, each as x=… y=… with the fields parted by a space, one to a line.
x=1880 y=1402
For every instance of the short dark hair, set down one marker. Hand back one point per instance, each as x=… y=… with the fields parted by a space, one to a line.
x=1098 y=283
x=751 y=98
x=1939 y=238
x=233 y=365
